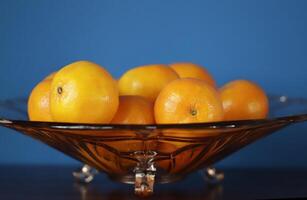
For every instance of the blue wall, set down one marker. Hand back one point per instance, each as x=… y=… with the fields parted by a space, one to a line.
x=261 y=40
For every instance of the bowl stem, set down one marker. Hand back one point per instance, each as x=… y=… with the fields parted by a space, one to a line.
x=145 y=173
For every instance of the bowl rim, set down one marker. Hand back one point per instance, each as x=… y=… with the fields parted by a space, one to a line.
x=204 y=125
x=281 y=100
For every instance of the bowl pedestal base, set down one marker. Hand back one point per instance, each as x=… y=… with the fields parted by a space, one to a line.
x=145 y=177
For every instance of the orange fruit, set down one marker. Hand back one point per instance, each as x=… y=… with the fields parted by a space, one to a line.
x=83 y=92
x=244 y=99
x=38 y=102
x=188 y=100
x=146 y=81
x=191 y=70
x=134 y=110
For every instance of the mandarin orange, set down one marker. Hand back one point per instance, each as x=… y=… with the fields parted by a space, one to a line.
x=188 y=100
x=146 y=81
x=134 y=110
x=191 y=70
x=243 y=99
x=38 y=102
x=83 y=92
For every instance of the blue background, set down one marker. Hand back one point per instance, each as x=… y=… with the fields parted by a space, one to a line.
x=264 y=41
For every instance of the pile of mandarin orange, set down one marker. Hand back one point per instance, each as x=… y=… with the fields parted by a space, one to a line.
x=84 y=92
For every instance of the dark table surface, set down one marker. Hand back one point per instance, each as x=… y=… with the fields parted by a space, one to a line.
x=56 y=182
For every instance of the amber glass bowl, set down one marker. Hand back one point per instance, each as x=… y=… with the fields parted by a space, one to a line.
x=142 y=154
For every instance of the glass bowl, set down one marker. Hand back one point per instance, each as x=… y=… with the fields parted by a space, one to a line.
x=146 y=154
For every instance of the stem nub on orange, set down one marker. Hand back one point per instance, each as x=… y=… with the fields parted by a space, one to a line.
x=188 y=100
x=83 y=92
x=243 y=100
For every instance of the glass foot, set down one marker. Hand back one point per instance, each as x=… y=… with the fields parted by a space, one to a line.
x=144 y=174
x=85 y=175
x=212 y=175
x=144 y=183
